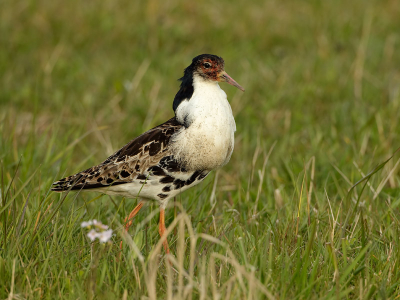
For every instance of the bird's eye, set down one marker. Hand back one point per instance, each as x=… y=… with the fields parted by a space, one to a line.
x=207 y=65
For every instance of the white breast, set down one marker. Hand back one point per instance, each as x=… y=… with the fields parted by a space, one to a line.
x=207 y=142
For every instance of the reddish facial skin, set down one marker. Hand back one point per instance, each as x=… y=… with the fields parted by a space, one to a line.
x=215 y=71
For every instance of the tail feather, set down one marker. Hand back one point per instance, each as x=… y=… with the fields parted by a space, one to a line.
x=92 y=178
x=68 y=183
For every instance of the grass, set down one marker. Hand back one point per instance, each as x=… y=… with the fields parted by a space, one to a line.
x=284 y=219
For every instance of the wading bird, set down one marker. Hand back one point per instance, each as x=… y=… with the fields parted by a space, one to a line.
x=176 y=155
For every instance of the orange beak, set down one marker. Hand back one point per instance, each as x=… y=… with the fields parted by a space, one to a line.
x=224 y=77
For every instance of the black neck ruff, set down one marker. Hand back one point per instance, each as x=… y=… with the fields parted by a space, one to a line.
x=186 y=90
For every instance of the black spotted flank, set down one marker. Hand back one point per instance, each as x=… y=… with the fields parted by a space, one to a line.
x=202 y=176
x=193 y=177
x=179 y=184
x=167 y=179
x=156 y=170
x=166 y=188
x=170 y=164
x=199 y=175
x=142 y=177
x=162 y=196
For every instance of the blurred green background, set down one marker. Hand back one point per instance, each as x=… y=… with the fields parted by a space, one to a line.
x=79 y=79
x=316 y=73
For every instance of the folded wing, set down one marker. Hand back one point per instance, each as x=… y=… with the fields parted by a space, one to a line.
x=128 y=164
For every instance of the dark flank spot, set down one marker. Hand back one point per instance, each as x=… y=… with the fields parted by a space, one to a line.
x=162 y=196
x=99 y=179
x=164 y=161
x=105 y=168
x=137 y=168
x=156 y=170
x=202 y=176
x=193 y=177
x=167 y=179
x=171 y=165
x=124 y=174
x=142 y=182
x=62 y=180
x=179 y=183
x=141 y=176
x=167 y=188
x=110 y=180
x=146 y=148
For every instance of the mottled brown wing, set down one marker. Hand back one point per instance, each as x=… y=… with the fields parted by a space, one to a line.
x=127 y=164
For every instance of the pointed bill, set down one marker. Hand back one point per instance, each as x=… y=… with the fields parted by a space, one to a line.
x=226 y=78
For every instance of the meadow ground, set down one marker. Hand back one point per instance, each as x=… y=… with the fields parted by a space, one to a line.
x=321 y=110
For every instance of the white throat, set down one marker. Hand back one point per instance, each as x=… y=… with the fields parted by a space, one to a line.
x=206 y=142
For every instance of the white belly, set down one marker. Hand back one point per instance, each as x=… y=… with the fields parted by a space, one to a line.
x=207 y=143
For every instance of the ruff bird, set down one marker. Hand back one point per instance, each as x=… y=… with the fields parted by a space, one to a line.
x=176 y=155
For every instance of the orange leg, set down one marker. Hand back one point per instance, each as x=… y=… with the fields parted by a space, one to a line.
x=128 y=219
x=161 y=229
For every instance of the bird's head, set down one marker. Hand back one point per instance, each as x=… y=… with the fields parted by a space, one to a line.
x=210 y=67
